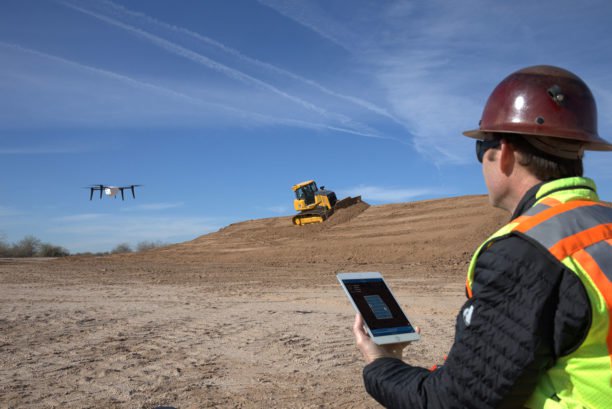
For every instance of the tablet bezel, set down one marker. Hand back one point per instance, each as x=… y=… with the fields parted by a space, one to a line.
x=385 y=339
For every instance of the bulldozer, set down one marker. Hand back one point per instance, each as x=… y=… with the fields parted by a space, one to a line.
x=316 y=205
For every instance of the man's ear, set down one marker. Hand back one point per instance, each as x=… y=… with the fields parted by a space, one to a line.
x=507 y=158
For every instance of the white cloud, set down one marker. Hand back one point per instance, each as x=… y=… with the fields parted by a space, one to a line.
x=309 y=15
x=109 y=102
x=427 y=60
x=61 y=85
x=438 y=62
x=271 y=68
x=230 y=72
x=413 y=62
x=440 y=69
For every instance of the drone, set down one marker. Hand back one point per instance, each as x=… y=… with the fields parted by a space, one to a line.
x=111 y=190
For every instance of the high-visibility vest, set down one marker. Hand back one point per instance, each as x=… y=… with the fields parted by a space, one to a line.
x=569 y=222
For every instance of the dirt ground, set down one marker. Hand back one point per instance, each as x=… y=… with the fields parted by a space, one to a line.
x=250 y=316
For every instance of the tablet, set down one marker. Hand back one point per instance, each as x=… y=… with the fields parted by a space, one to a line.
x=371 y=297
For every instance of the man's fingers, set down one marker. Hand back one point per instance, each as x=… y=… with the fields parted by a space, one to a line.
x=417 y=329
x=358 y=328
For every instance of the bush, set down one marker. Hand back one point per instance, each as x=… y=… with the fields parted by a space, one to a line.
x=149 y=245
x=50 y=250
x=122 y=248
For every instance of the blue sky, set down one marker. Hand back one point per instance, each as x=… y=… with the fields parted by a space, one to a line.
x=218 y=107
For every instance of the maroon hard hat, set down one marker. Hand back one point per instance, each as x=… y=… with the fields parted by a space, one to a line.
x=543 y=101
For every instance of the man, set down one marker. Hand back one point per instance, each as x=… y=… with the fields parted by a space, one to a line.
x=536 y=330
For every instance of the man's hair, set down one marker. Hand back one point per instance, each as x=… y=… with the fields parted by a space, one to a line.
x=542 y=165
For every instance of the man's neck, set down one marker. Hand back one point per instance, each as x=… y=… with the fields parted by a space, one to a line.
x=518 y=189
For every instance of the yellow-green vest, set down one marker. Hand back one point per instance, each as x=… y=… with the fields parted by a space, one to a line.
x=568 y=220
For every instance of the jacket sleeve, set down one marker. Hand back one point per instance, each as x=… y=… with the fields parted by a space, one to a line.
x=505 y=335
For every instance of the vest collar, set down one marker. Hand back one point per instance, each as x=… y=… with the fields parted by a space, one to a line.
x=541 y=190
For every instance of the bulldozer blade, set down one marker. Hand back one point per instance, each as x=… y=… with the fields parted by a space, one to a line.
x=347 y=202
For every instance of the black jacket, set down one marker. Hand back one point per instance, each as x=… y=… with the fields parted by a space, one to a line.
x=527 y=309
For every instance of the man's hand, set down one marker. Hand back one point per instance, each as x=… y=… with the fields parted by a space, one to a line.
x=372 y=351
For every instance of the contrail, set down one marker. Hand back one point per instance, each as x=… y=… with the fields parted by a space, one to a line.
x=207 y=40
x=284 y=11
x=153 y=87
x=209 y=63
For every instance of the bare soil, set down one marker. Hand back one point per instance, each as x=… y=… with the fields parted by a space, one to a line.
x=250 y=316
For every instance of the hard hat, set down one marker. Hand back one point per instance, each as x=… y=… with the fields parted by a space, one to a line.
x=543 y=101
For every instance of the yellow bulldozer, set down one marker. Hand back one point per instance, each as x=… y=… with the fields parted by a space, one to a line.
x=316 y=205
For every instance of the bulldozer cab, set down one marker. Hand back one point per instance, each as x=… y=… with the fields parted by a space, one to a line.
x=306 y=192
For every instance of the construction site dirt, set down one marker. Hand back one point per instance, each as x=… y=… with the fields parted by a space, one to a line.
x=250 y=316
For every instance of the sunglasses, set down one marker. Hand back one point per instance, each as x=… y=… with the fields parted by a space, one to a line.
x=483 y=146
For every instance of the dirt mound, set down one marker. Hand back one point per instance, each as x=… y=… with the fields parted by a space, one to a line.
x=440 y=232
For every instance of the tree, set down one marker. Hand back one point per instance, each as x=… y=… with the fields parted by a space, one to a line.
x=27 y=247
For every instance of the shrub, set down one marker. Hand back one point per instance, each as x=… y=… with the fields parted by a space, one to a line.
x=122 y=248
x=149 y=245
x=50 y=250
x=30 y=246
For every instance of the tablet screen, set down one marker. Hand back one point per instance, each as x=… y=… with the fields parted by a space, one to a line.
x=377 y=306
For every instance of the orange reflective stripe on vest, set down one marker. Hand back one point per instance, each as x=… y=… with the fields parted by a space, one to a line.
x=550 y=213
x=581 y=230
x=572 y=244
x=596 y=260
